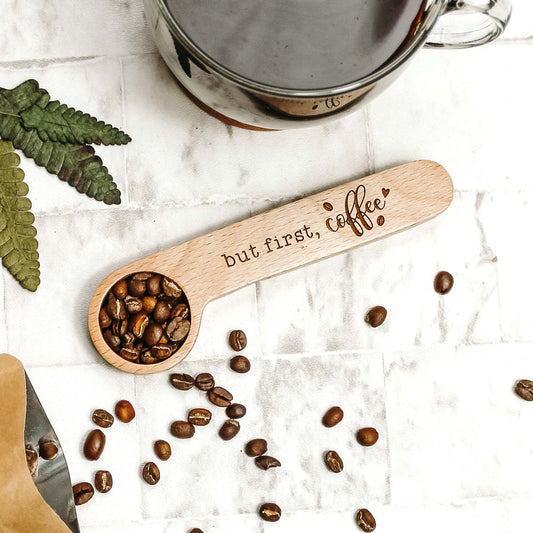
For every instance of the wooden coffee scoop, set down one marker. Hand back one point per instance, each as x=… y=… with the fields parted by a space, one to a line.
x=282 y=239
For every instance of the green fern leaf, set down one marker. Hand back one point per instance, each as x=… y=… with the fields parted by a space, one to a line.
x=18 y=245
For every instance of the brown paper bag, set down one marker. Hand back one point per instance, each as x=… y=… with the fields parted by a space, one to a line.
x=22 y=508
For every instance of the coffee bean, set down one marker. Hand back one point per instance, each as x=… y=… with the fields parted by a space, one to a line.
x=120 y=290
x=240 y=364
x=102 y=418
x=130 y=354
x=32 y=459
x=153 y=285
x=103 y=481
x=182 y=430
x=256 y=447
x=142 y=276
x=229 y=429
x=235 y=410
x=94 y=445
x=376 y=316
x=170 y=288
x=180 y=311
x=178 y=329
x=162 y=351
x=128 y=340
x=152 y=334
x=237 y=340
x=365 y=520
x=161 y=312
x=204 y=381
x=162 y=449
x=133 y=304
x=199 y=417
x=115 y=308
x=333 y=461
x=524 y=389
x=119 y=327
x=196 y=530
x=138 y=323
x=124 y=411
x=443 y=282
x=265 y=462
x=148 y=359
x=151 y=473
x=104 y=319
x=112 y=340
x=149 y=303
x=220 y=397
x=83 y=492
x=367 y=436
x=137 y=287
x=270 y=512
x=182 y=381
x=332 y=417
x=48 y=449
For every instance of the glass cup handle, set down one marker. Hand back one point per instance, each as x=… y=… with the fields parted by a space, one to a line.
x=466 y=23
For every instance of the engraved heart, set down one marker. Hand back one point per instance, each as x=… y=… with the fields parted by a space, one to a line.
x=385 y=192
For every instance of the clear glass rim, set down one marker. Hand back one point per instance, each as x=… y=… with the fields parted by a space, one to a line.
x=433 y=10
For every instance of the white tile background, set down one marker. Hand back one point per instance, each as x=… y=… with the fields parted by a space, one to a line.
x=436 y=379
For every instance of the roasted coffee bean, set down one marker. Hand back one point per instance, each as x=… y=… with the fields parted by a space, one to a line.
x=152 y=334
x=443 y=282
x=180 y=311
x=235 y=410
x=365 y=520
x=162 y=351
x=130 y=354
x=149 y=303
x=196 y=530
x=120 y=290
x=102 y=418
x=111 y=339
x=182 y=381
x=133 y=305
x=137 y=287
x=270 y=512
x=220 y=397
x=229 y=429
x=199 y=417
x=178 y=329
x=128 y=339
x=265 y=462
x=204 y=381
x=161 y=312
x=119 y=327
x=524 y=389
x=104 y=319
x=367 y=436
x=48 y=449
x=94 y=445
x=256 y=447
x=103 y=481
x=115 y=308
x=240 y=364
x=151 y=473
x=153 y=285
x=170 y=288
x=182 y=430
x=332 y=417
x=333 y=461
x=124 y=411
x=162 y=449
x=376 y=316
x=83 y=492
x=32 y=459
x=142 y=276
x=237 y=340
x=138 y=323
x=148 y=359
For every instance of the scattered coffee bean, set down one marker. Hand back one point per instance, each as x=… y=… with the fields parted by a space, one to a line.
x=124 y=411
x=151 y=473
x=196 y=530
x=443 y=282
x=83 y=492
x=264 y=462
x=182 y=430
x=270 y=512
x=376 y=316
x=182 y=381
x=94 y=445
x=32 y=459
x=48 y=449
x=237 y=340
x=332 y=417
x=199 y=417
x=367 y=436
x=365 y=520
x=205 y=381
x=229 y=429
x=220 y=397
x=524 y=389
x=103 y=481
x=256 y=447
x=235 y=410
x=240 y=364
x=333 y=461
x=104 y=319
x=162 y=449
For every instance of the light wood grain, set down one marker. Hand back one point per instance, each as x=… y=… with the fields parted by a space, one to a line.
x=282 y=239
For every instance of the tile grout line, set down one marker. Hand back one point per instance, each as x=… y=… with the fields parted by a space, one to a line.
x=124 y=128
x=389 y=460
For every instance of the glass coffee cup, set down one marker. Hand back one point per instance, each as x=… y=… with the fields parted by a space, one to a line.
x=292 y=63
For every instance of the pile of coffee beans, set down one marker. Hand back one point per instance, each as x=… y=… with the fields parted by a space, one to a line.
x=145 y=318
